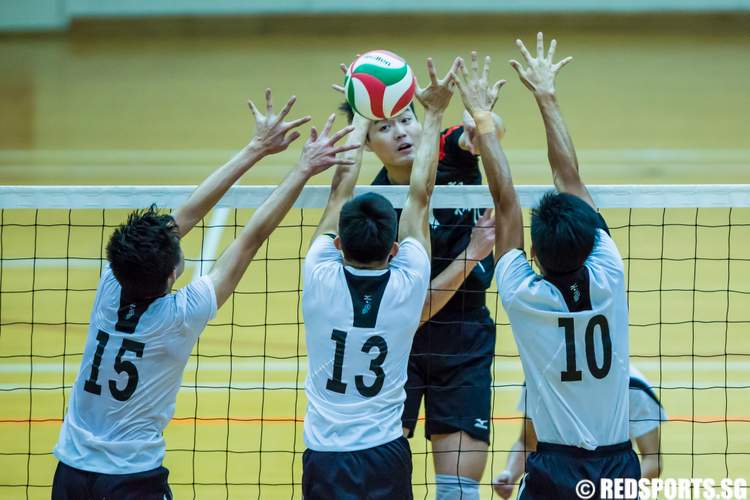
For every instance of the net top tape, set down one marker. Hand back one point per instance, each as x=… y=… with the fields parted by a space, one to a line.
x=605 y=196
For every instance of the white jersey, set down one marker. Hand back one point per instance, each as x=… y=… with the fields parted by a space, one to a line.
x=359 y=327
x=646 y=412
x=572 y=337
x=125 y=392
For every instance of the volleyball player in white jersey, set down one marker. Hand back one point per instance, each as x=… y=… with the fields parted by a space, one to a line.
x=141 y=335
x=646 y=415
x=571 y=322
x=365 y=285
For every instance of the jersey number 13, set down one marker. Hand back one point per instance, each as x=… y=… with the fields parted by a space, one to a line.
x=335 y=383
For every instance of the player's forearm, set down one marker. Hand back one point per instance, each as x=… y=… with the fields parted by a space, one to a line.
x=444 y=286
x=210 y=191
x=517 y=460
x=422 y=180
x=231 y=265
x=651 y=466
x=414 y=218
x=344 y=179
x=497 y=171
x=274 y=209
x=560 y=149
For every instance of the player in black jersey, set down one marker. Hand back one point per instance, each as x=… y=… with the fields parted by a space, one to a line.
x=452 y=352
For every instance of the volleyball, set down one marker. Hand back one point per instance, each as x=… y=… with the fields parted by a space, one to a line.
x=379 y=85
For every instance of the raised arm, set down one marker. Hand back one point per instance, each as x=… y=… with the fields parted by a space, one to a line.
x=539 y=77
x=479 y=96
x=270 y=137
x=415 y=216
x=318 y=154
x=345 y=178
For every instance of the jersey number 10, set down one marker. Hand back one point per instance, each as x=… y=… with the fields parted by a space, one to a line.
x=572 y=374
x=336 y=385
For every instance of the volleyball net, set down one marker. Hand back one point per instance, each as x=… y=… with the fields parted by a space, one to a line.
x=237 y=429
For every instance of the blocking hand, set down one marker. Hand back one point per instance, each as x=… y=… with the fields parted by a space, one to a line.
x=271 y=130
x=320 y=150
x=477 y=93
x=437 y=95
x=539 y=76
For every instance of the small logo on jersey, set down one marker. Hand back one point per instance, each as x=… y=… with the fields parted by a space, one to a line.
x=368 y=304
x=131 y=311
x=434 y=223
x=482 y=424
x=576 y=292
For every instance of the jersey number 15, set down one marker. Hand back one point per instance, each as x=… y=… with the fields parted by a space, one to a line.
x=572 y=373
x=128 y=367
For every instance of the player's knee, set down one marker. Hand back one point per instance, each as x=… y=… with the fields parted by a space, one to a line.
x=450 y=487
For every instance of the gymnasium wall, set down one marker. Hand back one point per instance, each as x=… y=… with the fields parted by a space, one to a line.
x=57 y=15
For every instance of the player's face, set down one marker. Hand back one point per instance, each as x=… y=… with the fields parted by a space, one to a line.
x=395 y=141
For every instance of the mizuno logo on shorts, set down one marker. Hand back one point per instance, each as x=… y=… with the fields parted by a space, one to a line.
x=482 y=424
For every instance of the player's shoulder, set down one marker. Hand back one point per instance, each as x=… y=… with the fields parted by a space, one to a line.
x=323 y=259
x=411 y=255
x=605 y=256
x=518 y=283
x=454 y=162
x=412 y=262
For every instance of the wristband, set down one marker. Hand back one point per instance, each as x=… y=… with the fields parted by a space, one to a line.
x=485 y=122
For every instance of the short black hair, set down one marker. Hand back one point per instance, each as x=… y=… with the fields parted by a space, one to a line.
x=143 y=252
x=367 y=228
x=346 y=108
x=563 y=232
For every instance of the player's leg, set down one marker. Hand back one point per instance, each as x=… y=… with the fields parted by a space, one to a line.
x=70 y=483
x=458 y=406
x=459 y=464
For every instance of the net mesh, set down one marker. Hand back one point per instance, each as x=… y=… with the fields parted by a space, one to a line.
x=237 y=429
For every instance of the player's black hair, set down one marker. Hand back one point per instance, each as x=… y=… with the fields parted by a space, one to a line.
x=346 y=108
x=563 y=231
x=367 y=228
x=143 y=252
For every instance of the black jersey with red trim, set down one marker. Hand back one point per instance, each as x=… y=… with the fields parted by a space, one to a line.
x=450 y=229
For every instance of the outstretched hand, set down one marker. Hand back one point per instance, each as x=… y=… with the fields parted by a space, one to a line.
x=271 y=130
x=437 y=95
x=320 y=150
x=539 y=76
x=477 y=93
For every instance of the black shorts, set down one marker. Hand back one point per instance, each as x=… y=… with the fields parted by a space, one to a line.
x=76 y=484
x=451 y=366
x=554 y=470
x=382 y=472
